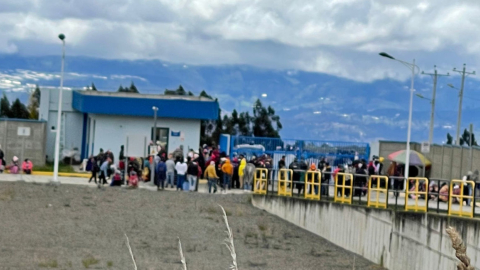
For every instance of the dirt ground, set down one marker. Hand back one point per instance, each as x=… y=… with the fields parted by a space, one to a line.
x=79 y=227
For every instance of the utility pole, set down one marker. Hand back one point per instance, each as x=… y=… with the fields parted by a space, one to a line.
x=459 y=119
x=432 y=115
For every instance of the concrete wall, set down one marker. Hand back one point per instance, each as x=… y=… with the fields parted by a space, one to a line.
x=395 y=240
x=448 y=161
x=73 y=120
x=110 y=132
x=33 y=145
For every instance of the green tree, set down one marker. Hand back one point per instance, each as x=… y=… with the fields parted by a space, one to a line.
x=132 y=89
x=244 y=124
x=93 y=88
x=121 y=89
x=5 y=111
x=465 y=139
x=18 y=110
x=264 y=120
x=34 y=103
x=205 y=95
x=449 y=139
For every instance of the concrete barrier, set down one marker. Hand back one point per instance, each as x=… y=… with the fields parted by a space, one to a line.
x=395 y=240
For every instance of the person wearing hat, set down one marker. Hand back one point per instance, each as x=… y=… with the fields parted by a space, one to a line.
x=14 y=169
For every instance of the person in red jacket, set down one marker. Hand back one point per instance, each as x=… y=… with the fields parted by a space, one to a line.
x=27 y=166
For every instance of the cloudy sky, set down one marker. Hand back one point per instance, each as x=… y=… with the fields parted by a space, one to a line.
x=339 y=37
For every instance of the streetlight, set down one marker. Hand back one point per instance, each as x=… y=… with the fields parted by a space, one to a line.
x=154 y=141
x=59 y=115
x=411 y=66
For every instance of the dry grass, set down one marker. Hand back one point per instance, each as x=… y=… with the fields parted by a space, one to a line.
x=460 y=249
x=229 y=241
x=131 y=253
x=89 y=261
x=182 y=257
x=48 y=264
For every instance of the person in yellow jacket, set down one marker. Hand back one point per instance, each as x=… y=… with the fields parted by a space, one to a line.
x=241 y=168
x=227 y=170
x=212 y=177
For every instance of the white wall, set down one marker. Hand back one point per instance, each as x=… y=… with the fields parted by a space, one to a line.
x=111 y=132
x=73 y=122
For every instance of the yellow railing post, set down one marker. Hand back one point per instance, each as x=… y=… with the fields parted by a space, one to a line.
x=285 y=183
x=416 y=192
x=460 y=198
x=312 y=185
x=343 y=197
x=379 y=191
x=260 y=183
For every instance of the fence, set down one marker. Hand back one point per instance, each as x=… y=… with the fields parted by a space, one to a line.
x=311 y=151
x=412 y=194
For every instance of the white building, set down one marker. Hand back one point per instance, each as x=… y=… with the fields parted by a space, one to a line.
x=92 y=120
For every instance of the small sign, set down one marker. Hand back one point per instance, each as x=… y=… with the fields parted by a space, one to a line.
x=182 y=136
x=153 y=150
x=425 y=147
x=175 y=134
x=23 y=131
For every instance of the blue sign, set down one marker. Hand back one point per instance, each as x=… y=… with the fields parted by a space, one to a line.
x=175 y=134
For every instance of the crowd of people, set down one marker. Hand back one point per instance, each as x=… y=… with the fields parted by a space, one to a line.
x=175 y=170
x=14 y=167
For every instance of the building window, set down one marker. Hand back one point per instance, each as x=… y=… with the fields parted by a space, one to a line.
x=162 y=136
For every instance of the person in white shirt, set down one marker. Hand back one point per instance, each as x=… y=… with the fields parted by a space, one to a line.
x=181 y=168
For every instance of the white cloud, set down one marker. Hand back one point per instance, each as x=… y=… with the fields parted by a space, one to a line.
x=338 y=37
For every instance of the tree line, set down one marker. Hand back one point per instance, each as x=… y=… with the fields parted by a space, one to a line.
x=262 y=122
x=18 y=110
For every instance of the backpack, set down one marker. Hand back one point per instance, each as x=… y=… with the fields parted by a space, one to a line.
x=371 y=170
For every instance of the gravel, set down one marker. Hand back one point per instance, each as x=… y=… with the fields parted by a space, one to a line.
x=80 y=227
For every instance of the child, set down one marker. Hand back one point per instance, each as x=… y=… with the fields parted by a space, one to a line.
x=14 y=167
x=116 y=179
x=27 y=166
x=133 y=180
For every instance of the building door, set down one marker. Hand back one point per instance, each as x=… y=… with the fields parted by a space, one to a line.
x=162 y=136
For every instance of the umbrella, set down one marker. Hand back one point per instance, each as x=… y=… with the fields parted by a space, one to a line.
x=415 y=158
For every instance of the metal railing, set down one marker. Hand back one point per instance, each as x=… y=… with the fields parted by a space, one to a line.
x=416 y=194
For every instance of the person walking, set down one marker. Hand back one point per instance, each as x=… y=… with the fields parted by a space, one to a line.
x=95 y=168
x=170 y=171
x=192 y=173
x=104 y=172
x=241 y=169
x=160 y=174
x=181 y=168
x=227 y=170
x=212 y=177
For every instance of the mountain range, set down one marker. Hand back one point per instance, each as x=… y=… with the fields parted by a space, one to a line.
x=312 y=106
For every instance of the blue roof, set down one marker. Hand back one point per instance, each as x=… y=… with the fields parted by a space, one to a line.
x=131 y=104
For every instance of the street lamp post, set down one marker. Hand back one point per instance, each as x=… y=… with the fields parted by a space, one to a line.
x=154 y=139
x=411 y=66
x=59 y=115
